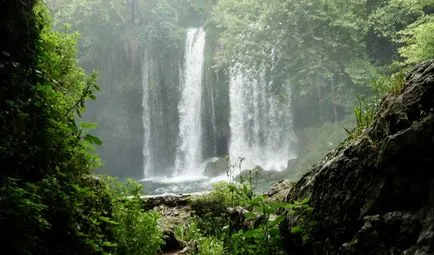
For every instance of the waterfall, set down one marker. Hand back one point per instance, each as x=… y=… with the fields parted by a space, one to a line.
x=189 y=147
x=260 y=122
x=146 y=113
x=213 y=120
x=180 y=116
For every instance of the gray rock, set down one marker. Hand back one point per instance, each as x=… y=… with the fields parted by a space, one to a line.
x=171 y=243
x=169 y=200
x=216 y=167
x=280 y=190
x=375 y=195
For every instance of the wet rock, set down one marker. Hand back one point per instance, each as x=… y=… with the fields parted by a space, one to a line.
x=258 y=174
x=217 y=167
x=169 y=200
x=280 y=190
x=238 y=219
x=293 y=242
x=391 y=233
x=376 y=194
x=171 y=243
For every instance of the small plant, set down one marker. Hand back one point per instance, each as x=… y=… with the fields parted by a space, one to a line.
x=367 y=108
x=193 y=236
x=135 y=231
x=255 y=229
x=301 y=216
x=235 y=166
x=365 y=113
x=263 y=236
x=397 y=82
x=212 y=209
x=388 y=84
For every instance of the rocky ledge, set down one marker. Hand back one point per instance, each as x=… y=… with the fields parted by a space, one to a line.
x=376 y=194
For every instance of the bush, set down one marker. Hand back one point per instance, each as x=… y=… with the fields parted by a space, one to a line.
x=50 y=202
x=22 y=217
x=135 y=231
x=212 y=209
x=254 y=231
x=193 y=235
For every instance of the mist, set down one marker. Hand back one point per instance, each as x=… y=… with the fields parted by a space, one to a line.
x=200 y=91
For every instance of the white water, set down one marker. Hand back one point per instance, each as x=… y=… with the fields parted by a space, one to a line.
x=189 y=150
x=261 y=127
x=260 y=122
x=146 y=114
x=213 y=119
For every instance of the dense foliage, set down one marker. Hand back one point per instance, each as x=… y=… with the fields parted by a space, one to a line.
x=50 y=202
x=231 y=219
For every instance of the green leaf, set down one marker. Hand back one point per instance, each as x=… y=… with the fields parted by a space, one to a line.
x=92 y=139
x=249 y=215
x=296 y=229
x=107 y=220
x=88 y=125
x=109 y=244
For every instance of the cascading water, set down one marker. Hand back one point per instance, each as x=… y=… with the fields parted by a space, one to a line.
x=146 y=116
x=184 y=107
x=189 y=148
x=260 y=122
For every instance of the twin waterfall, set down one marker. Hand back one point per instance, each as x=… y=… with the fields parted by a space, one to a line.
x=174 y=138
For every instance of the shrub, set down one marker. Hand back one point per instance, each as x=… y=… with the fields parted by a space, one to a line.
x=135 y=231
x=193 y=235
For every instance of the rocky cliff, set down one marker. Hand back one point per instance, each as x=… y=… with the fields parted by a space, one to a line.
x=376 y=195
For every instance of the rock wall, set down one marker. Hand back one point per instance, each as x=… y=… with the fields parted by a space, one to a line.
x=376 y=195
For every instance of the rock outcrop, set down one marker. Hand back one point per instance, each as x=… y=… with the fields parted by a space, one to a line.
x=169 y=200
x=280 y=190
x=217 y=167
x=175 y=212
x=376 y=194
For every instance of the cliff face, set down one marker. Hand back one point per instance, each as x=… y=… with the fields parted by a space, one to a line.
x=376 y=195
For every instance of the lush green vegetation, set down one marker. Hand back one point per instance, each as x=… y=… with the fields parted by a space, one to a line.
x=334 y=54
x=340 y=57
x=330 y=51
x=50 y=201
x=232 y=219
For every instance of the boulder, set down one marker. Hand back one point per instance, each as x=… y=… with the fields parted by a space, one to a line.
x=171 y=243
x=259 y=174
x=239 y=221
x=169 y=200
x=375 y=195
x=217 y=167
x=280 y=190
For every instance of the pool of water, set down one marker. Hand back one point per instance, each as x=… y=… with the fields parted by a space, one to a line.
x=180 y=185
